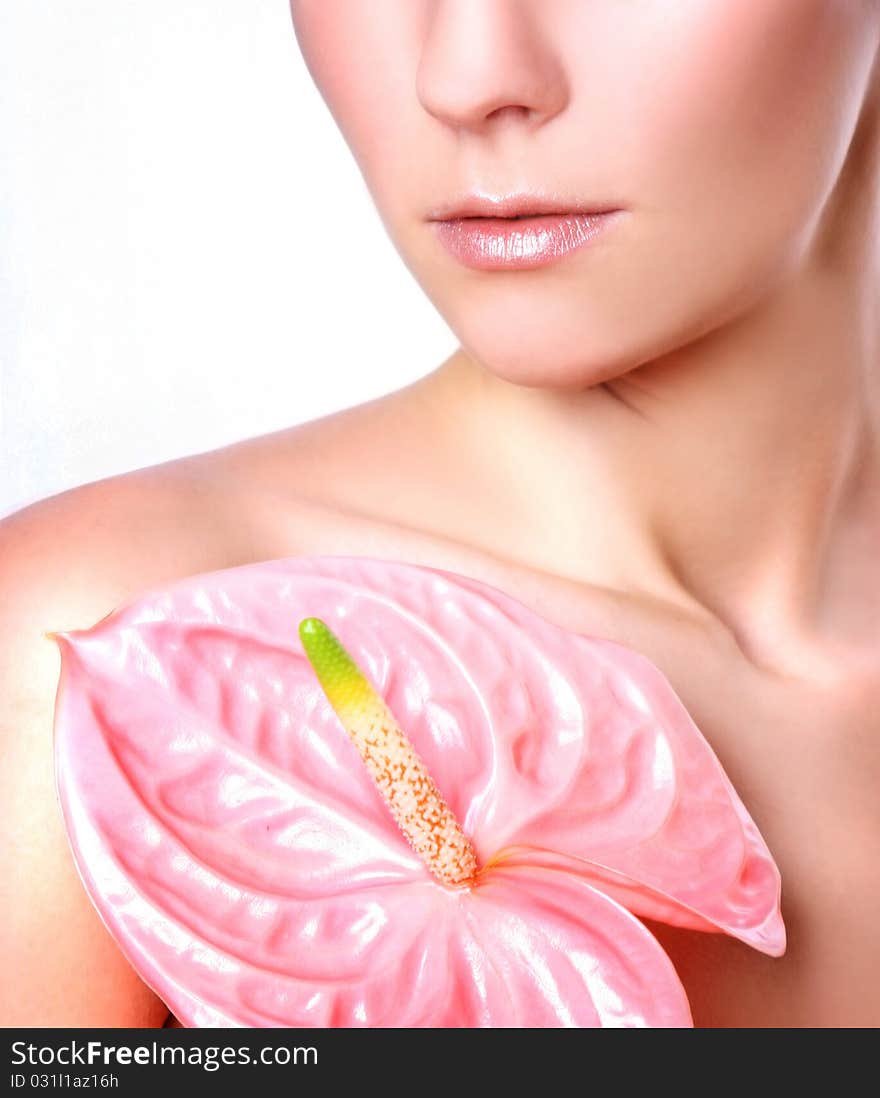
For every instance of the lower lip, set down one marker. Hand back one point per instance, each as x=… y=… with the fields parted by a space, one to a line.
x=504 y=243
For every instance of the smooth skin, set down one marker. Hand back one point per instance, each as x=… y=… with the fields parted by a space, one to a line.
x=669 y=438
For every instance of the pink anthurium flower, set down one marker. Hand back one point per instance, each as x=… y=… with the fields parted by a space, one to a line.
x=528 y=791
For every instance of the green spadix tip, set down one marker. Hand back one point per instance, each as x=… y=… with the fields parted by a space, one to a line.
x=308 y=627
x=330 y=661
x=318 y=639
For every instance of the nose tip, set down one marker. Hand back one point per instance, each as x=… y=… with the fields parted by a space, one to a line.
x=489 y=62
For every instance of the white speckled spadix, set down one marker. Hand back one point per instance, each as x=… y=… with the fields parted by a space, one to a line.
x=403 y=779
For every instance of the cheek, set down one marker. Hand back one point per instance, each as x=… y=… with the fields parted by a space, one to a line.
x=741 y=119
x=363 y=57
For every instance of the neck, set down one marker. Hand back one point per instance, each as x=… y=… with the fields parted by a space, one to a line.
x=738 y=477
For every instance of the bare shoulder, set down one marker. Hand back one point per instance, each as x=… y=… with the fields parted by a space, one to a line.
x=103 y=531
x=69 y=559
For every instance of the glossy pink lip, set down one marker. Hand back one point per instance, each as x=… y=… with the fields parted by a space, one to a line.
x=492 y=243
x=515 y=232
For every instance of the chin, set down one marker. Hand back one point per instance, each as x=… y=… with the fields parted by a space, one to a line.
x=538 y=360
x=554 y=334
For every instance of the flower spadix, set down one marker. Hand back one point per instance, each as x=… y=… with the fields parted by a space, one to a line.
x=402 y=777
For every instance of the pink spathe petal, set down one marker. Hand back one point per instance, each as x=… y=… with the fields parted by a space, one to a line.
x=199 y=776
x=552 y=937
x=527 y=947
x=235 y=844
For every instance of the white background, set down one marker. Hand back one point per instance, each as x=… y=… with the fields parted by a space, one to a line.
x=167 y=175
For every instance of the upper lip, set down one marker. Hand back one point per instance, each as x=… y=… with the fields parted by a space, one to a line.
x=515 y=205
